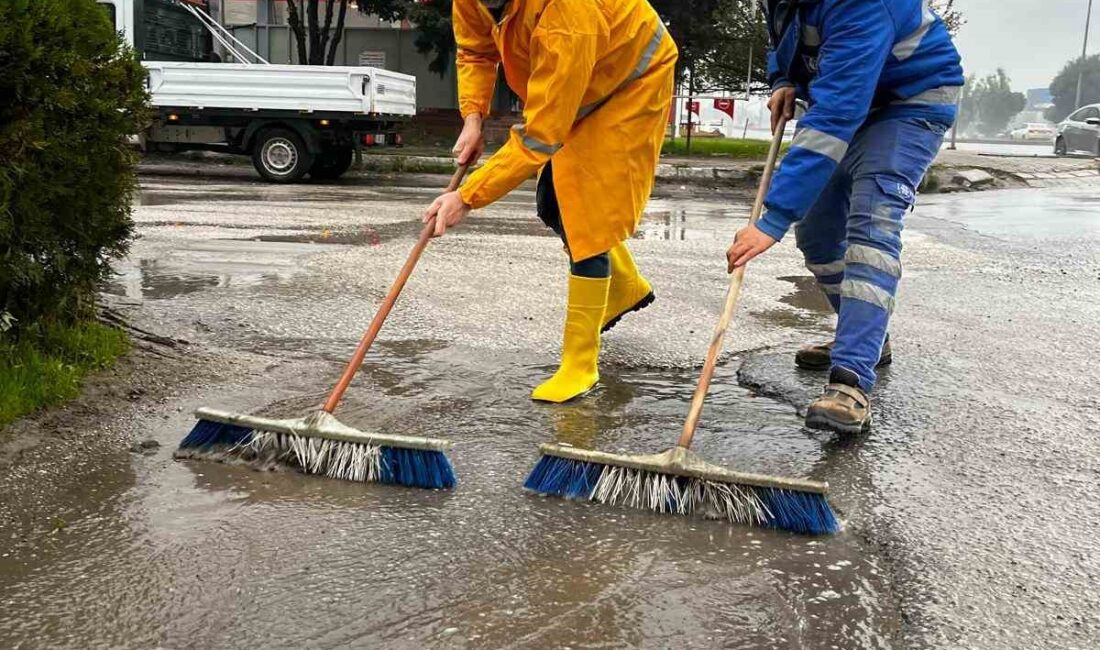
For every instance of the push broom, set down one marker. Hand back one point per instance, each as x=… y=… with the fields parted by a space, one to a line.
x=321 y=444
x=678 y=480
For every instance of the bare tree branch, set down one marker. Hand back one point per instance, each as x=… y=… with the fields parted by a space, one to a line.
x=295 y=21
x=328 y=26
x=336 y=37
x=316 y=56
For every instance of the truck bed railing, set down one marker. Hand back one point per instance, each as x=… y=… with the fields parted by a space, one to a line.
x=230 y=42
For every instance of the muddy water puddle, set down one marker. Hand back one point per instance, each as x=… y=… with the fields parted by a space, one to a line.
x=194 y=554
x=160 y=553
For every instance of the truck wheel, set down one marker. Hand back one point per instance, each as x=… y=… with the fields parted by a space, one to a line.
x=280 y=156
x=331 y=164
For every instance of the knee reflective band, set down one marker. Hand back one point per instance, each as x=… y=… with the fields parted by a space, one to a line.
x=828 y=268
x=867 y=292
x=580 y=348
x=873 y=257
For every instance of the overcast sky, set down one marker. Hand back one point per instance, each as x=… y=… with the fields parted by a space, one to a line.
x=1030 y=39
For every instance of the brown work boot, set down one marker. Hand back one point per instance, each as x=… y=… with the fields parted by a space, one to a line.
x=843 y=407
x=818 y=357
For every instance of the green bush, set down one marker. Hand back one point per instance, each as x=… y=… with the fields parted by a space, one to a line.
x=70 y=95
x=45 y=366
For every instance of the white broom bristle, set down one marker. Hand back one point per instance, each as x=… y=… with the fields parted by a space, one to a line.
x=352 y=461
x=682 y=495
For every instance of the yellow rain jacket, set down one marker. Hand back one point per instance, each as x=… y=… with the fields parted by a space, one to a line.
x=595 y=78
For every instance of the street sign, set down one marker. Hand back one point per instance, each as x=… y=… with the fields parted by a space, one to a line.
x=725 y=105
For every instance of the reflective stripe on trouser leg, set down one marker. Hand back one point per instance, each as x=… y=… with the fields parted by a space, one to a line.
x=829 y=276
x=821 y=237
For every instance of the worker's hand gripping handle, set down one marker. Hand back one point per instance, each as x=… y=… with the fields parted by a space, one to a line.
x=387 y=304
x=732 y=294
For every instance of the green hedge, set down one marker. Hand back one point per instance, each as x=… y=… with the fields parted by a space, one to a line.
x=70 y=95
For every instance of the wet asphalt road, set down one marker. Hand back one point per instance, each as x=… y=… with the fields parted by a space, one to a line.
x=971 y=515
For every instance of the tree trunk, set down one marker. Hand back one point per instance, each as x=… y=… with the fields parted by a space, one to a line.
x=295 y=20
x=316 y=56
x=338 y=35
x=327 y=27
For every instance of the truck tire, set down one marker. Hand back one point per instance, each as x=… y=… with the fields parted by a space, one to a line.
x=280 y=156
x=331 y=164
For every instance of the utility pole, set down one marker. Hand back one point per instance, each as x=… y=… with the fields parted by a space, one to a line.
x=958 y=116
x=748 y=77
x=1081 y=65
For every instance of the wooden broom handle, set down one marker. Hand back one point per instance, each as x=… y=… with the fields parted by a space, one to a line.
x=387 y=304
x=732 y=295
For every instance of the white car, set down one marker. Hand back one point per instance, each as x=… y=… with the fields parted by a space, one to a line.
x=1034 y=131
x=1080 y=132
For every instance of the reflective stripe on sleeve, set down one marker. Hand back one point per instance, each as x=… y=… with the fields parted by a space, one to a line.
x=942 y=96
x=534 y=144
x=867 y=292
x=830 y=289
x=873 y=257
x=820 y=142
x=638 y=71
x=906 y=47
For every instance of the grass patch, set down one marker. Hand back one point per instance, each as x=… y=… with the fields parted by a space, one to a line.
x=44 y=365
x=722 y=147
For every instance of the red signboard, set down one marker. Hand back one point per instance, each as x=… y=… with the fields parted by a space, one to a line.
x=692 y=106
x=724 y=105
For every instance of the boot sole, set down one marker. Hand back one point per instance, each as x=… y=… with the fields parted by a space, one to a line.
x=823 y=422
x=809 y=365
x=638 y=306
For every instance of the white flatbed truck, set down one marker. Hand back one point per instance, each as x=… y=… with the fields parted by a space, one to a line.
x=292 y=120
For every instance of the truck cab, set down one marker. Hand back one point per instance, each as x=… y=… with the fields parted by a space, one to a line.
x=210 y=92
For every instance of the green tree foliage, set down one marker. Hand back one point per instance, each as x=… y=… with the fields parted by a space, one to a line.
x=434 y=35
x=1064 y=87
x=70 y=95
x=989 y=103
x=740 y=32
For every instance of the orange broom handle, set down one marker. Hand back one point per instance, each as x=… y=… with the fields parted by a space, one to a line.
x=732 y=295
x=387 y=304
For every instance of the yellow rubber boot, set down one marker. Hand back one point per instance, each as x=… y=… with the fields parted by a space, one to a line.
x=580 y=350
x=629 y=290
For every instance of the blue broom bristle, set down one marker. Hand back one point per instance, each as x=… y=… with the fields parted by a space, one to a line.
x=807 y=513
x=425 y=468
x=207 y=433
x=563 y=477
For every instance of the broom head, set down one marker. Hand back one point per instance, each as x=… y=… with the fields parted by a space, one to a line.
x=319 y=444
x=679 y=481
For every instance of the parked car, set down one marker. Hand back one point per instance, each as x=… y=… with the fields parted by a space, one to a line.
x=1034 y=131
x=1080 y=132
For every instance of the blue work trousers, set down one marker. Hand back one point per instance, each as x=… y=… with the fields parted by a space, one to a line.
x=851 y=238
